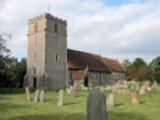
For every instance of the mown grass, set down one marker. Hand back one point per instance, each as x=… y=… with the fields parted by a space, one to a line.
x=15 y=107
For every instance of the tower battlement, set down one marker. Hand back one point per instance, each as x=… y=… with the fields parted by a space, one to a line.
x=49 y=17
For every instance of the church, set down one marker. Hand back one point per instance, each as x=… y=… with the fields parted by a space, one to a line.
x=48 y=54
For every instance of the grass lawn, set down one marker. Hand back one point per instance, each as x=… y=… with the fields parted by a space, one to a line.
x=14 y=107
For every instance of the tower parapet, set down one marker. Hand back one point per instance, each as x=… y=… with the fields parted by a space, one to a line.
x=47 y=16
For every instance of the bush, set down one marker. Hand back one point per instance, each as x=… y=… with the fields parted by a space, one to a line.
x=156 y=77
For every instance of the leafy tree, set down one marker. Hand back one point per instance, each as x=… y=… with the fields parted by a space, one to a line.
x=126 y=64
x=11 y=71
x=3 y=48
x=155 y=65
x=139 y=70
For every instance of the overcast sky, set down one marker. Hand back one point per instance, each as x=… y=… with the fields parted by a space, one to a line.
x=122 y=29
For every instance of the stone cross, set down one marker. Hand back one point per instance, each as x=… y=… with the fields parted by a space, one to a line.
x=60 y=98
x=96 y=106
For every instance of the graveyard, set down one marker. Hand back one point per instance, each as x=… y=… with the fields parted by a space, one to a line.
x=79 y=60
x=13 y=106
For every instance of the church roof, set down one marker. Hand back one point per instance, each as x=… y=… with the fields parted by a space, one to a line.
x=80 y=60
x=113 y=64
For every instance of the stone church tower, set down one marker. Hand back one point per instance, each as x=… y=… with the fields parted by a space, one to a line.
x=47 y=50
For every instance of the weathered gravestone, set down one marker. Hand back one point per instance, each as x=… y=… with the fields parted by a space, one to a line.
x=36 y=96
x=111 y=100
x=71 y=91
x=39 y=94
x=60 y=98
x=135 y=98
x=143 y=90
x=155 y=87
x=96 y=106
x=27 y=78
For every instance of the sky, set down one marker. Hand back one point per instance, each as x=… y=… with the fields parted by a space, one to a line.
x=120 y=29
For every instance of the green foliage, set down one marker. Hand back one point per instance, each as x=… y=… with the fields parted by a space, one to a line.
x=11 y=71
x=139 y=70
x=3 y=48
x=156 y=76
x=126 y=64
x=139 y=62
x=132 y=87
x=155 y=63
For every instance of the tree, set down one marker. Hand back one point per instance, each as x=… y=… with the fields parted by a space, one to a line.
x=21 y=71
x=3 y=49
x=11 y=71
x=139 y=70
x=126 y=64
x=155 y=65
x=4 y=54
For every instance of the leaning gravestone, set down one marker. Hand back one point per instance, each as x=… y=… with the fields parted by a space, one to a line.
x=60 y=98
x=96 y=106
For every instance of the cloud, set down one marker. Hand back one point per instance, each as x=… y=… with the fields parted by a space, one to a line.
x=123 y=31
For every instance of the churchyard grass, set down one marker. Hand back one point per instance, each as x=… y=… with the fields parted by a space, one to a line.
x=13 y=106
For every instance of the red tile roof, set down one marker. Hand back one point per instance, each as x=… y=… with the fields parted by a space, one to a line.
x=80 y=60
x=113 y=64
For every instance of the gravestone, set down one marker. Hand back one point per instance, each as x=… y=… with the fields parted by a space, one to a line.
x=42 y=86
x=36 y=96
x=155 y=87
x=111 y=100
x=26 y=85
x=72 y=91
x=143 y=90
x=96 y=106
x=114 y=89
x=41 y=95
x=60 y=98
x=135 y=98
x=108 y=88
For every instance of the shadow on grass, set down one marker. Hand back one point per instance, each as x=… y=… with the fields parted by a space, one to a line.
x=126 y=116
x=71 y=103
x=4 y=107
x=142 y=102
x=119 y=104
x=79 y=116
x=10 y=91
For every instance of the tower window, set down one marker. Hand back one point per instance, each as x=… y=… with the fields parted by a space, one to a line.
x=56 y=28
